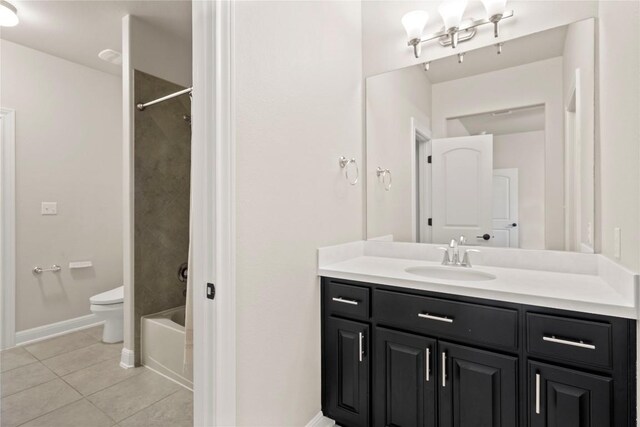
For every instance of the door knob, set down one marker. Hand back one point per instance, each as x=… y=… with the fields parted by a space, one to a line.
x=485 y=236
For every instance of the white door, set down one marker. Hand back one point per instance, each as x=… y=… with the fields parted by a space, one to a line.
x=462 y=175
x=505 y=208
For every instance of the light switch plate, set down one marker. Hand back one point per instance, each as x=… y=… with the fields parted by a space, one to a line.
x=49 y=208
x=617 y=243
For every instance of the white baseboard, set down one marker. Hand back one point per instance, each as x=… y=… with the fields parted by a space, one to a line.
x=320 y=421
x=127 y=359
x=51 y=330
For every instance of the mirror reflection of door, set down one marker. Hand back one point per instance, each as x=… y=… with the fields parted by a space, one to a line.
x=505 y=208
x=462 y=173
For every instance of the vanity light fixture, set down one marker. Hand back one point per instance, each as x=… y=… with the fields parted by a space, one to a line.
x=455 y=30
x=8 y=14
x=451 y=12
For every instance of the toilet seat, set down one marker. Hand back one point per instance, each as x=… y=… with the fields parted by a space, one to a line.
x=114 y=296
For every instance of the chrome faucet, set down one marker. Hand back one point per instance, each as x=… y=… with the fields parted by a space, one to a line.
x=452 y=253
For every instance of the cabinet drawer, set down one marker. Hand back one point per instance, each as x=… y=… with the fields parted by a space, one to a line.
x=574 y=340
x=489 y=326
x=347 y=300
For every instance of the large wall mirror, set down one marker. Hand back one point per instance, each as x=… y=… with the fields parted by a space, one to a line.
x=496 y=145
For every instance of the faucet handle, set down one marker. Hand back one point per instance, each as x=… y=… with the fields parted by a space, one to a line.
x=446 y=260
x=462 y=241
x=466 y=261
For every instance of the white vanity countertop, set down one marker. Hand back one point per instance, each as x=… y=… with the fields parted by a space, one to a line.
x=574 y=290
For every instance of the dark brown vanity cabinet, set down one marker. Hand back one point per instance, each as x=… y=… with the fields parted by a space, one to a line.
x=394 y=357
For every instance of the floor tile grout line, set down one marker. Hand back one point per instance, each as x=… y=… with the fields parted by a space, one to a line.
x=69 y=373
x=150 y=404
x=64 y=352
x=33 y=386
x=97 y=391
x=22 y=366
x=101 y=411
x=147 y=407
x=29 y=388
x=48 y=412
x=71 y=351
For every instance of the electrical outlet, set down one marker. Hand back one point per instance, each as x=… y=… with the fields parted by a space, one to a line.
x=49 y=208
x=617 y=243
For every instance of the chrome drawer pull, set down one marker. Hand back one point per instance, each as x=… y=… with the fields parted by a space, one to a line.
x=580 y=344
x=438 y=318
x=428 y=362
x=360 y=346
x=345 y=301
x=444 y=369
x=537 y=393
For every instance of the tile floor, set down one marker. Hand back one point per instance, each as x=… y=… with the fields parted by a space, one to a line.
x=75 y=380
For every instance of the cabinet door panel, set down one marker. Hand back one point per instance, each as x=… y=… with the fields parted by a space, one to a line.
x=478 y=389
x=562 y=397
x=347 y=376
x=405 y=391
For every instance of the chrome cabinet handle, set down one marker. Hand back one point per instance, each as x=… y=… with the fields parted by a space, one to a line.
x=345 y=301
x=360 y=336
x=438 y=318
x=580 y=344
x=537 y=393
x=444 y=369
x=427 y=363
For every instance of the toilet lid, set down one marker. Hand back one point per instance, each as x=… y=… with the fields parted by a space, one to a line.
x=114 y=296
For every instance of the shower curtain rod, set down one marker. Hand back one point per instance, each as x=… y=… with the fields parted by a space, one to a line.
x=141 y=107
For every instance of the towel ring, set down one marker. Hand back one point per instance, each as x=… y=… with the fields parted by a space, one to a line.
x=384 y=173
x=344 y=164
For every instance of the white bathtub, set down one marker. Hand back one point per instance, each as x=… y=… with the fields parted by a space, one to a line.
x=162 y=343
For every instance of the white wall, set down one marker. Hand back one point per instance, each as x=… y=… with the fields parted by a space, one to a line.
x=163 y=55
x=68 y=130
x=525 y=151
x=619 y=127
x=502 y=90
x=385 y=41
x=393 y=99
x=299 y=101
x=579 y=57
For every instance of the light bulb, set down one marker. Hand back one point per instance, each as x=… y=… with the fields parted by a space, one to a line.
x=451 y=12
x=414 y=23
x=494 y=7
x=8 y=14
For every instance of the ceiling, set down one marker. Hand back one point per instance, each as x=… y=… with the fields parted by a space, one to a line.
x=520 y=51
x=526 y=119
x=79 y=30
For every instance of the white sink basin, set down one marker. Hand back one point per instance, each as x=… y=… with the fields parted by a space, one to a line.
x=450 y=273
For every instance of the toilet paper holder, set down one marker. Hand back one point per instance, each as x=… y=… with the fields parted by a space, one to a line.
x=54 y=268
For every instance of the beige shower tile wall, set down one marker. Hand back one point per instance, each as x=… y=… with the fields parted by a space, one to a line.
x=161 y=214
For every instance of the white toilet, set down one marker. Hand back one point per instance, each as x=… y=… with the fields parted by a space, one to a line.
x=109 y=306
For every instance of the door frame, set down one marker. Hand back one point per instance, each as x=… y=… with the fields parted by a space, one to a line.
x=420 y=204
x=8 y=228
x=213 y=187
